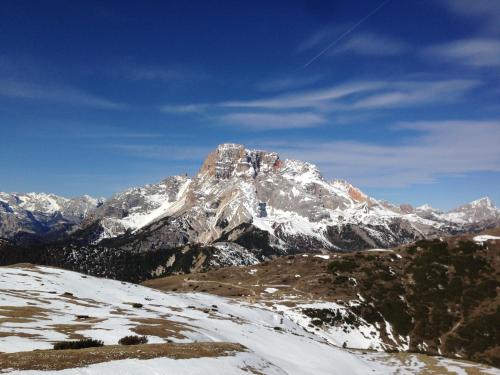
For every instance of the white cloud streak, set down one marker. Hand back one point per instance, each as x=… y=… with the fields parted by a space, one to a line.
x=273 y=121
x=362 y=44
x=444 y=148
x=60 y=94
x=309 y=108
x=472 y=52
x=365 y=95
x=161 y=152
x=487 y=12
x=307 y=99
x=368 y=44
x=184 y=108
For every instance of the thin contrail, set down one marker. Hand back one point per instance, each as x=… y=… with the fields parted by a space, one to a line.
x=354 y=27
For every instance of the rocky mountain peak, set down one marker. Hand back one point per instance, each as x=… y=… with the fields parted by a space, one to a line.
x=483 y=202
x=230 y=159
x=480 y=204
x=406 y=208
x=480 y=210
x=426 y=207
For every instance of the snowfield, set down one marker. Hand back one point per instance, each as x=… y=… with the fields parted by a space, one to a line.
x=485 y=237
x=366 y=336
x=42 y=305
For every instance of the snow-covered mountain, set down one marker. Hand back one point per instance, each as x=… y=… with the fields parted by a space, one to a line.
x=31 y=215
x=139 y=206
x=286 y=204
x=478 y=211
x=249 y=197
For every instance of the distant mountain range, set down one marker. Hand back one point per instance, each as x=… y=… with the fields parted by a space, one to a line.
x=30 y=216
x=243 y=205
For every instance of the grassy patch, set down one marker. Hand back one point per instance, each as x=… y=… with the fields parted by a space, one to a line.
x=62 y=359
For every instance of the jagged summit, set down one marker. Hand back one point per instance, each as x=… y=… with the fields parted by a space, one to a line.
x=482 y=202
x=480 y=210
x=231 y=159
x=479 y=204
x=425 y=207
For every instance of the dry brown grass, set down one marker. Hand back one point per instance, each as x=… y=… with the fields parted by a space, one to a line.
x=434 y=367
x=241 y=283
x=315 y=281
x=63 y=359
x=19 y=334
x=164 y=328
x=70 y=330
x=21 y=314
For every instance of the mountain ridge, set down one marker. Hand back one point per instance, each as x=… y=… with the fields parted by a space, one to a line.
x=235 y=186
x=290 y=200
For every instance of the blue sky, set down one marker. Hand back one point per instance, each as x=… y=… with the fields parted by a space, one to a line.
x=401 y=98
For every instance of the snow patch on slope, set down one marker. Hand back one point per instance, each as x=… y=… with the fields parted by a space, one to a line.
x=290 y=349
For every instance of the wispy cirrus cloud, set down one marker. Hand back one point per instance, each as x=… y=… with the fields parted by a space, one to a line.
x=487 y=12
x=317 y=98
x=479 y=52
x=161 y=74
x=55 y=93
x=365 y=95
x=309 y=108
x=362 y=44
x=414 y=94
x=273 y=121
x=92 y=131
x=434 y=150
x=184 y=108
x=318 y=38
x=161 y=152
x=368 y=44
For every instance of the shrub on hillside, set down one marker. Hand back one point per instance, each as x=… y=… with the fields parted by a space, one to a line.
x=78 y=344
x=133 y=340
x=345 y=265
x=341 y=280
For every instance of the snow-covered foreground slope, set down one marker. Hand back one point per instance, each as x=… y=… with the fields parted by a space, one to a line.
x=40 y=305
